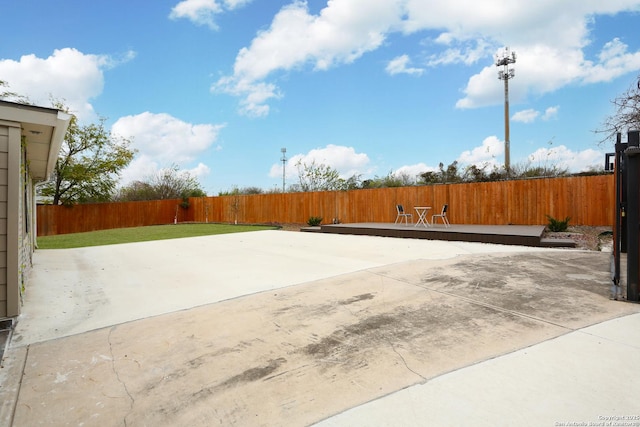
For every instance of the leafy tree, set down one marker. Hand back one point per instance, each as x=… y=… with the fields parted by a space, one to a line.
x=4 y=92
x=449 y=175
x=273 y=190
x=388 y=181
x=430 y=177
x=251 y=190
x=545 y=170
x=236 y=203
x=319 y=177
x=626 y=115
x=353 y=182
x=89 y=164
x=245 y=190
x=169 y=183
x=136 y=191
x=7 y=95
x=475 y=173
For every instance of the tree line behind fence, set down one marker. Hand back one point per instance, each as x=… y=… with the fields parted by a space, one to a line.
x=587 y=200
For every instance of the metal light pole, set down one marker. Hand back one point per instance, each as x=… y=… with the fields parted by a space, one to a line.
x=284 y=162
x=505 y=74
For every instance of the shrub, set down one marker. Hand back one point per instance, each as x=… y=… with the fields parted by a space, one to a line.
x=314 y=221
x=557 y=225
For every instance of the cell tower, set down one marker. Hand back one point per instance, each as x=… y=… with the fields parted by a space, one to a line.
x=504 y=60
x=284 y=162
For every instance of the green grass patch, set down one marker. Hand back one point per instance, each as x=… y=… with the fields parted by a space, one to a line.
x=141 y=234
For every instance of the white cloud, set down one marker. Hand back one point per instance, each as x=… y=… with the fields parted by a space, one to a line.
x=467 y=53
x=256 y=94
x=530 y=115
x=525 y=116
x=613 y=61
x=537 y=72
x=413 y=170
x=551 y=113
x=163 y=140
x=399 y=65
x=545 y=34
x=67 y=75
x=203 y=12
x=341 y=33
x=200 y=12
x=481 y=89
x=200 y=171
x=141 y=168
x=234 y=4
x=563 y=157
x=343 y=159
x=490 y=154
x=483 y=155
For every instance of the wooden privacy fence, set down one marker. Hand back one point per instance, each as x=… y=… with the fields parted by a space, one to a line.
x=103 y=216
x=588 y=200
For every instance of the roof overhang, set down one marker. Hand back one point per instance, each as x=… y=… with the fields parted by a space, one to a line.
x=43 y=129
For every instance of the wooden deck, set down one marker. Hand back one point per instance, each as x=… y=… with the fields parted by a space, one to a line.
x=522 y=235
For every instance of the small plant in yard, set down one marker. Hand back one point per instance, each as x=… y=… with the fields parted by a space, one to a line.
x=184 y=204
x=557 y=225
x=314 y=221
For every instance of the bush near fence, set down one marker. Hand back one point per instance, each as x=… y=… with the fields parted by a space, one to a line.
x=588 y=200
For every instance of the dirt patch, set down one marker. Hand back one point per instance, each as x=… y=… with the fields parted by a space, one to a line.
x=586 y=237
x=290 y=227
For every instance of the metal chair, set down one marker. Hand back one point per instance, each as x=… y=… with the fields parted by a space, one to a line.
x=402 y=215
x=443 y=215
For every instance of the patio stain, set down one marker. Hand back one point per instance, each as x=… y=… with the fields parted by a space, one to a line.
x=341 y=341
x=552 y=282
x=254 y=374
x=357 y=298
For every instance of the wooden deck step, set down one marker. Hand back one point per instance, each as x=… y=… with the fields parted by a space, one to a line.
x=557 y=243
x=522 y=235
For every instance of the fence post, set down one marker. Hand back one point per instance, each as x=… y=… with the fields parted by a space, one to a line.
x=633 y=214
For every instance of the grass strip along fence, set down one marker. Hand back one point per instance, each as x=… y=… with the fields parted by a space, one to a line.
x=140 y=234
x=588 y=200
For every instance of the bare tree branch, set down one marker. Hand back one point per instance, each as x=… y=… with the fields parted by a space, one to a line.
x=626 y=116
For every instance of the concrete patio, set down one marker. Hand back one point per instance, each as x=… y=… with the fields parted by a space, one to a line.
x=279 y=328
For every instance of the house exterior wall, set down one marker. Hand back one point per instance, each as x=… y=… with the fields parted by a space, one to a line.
x=13 y=214
x=25 y=198
x=16 y=230
x=4 y=154
x=30 y=139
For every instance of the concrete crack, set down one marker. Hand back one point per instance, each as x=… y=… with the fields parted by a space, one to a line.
x=404 y=361
x=115 y=371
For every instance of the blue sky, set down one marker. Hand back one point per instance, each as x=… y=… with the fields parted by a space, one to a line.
x=218 y=87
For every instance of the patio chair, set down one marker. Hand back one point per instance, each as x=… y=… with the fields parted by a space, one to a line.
x=402 y=215
x=443 y=215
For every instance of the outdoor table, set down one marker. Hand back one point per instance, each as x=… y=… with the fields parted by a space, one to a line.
x=422 y=215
